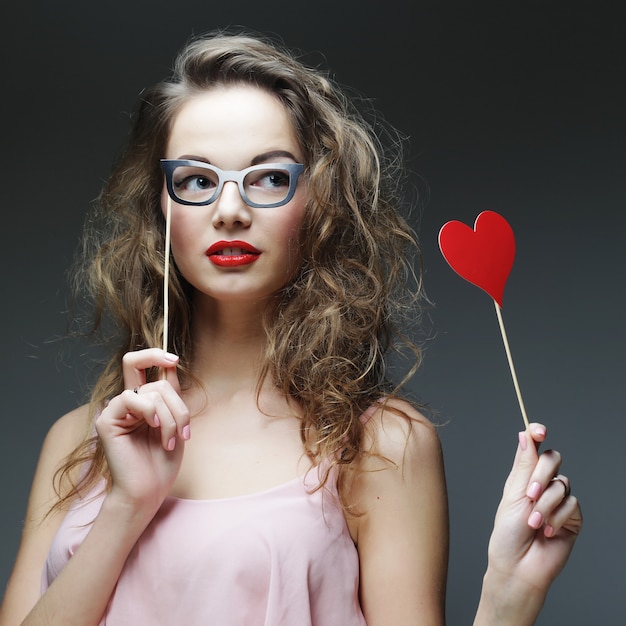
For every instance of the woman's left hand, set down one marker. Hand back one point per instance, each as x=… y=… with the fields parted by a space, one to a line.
x=536 y=526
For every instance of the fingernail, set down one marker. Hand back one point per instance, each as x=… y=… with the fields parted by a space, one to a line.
x=534 y=491
x=157 y=421
x=186 y=432
x=534 y=521
x=548 y=531
x=168 y=356
x=522 y=440
x=171 y=443
x=540 y=430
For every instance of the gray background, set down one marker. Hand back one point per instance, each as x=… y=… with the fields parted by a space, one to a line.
x=514 y=107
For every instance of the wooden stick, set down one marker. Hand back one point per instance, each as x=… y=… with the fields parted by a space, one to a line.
x=166 y=278
x=511 y=366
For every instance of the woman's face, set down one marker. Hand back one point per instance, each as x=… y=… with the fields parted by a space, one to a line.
x=228 y=250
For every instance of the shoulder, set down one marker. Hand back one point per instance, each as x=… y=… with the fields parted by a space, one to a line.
x=400 y=518
x=400 y=468
x=68 y=432
x=40 y=525
x=398 y=436
x=64 y=436
x=72 y=427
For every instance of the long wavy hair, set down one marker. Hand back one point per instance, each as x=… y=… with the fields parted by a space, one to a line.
x=335 y=325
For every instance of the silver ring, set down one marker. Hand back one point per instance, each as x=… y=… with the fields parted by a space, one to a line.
x=566 y=487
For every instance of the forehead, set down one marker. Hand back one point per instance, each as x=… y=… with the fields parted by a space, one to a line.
x=230 y=125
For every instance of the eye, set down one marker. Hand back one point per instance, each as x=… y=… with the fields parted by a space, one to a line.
x=272 y=179
x=194 y=183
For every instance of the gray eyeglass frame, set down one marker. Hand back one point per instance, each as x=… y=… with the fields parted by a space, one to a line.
x=223 y=176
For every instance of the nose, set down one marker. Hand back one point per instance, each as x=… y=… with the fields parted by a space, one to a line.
x=230 y=210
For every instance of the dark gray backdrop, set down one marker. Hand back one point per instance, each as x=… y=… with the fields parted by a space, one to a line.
x=514 y=107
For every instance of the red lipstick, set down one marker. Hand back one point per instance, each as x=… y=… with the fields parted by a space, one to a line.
x=232 y=253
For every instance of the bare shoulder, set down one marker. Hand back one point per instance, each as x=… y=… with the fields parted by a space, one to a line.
x=68 y=432
x=401 y=520
x=399 y=436
x=39 y=526
x=400 y=468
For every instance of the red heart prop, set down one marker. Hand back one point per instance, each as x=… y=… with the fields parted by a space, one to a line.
x=483 y=256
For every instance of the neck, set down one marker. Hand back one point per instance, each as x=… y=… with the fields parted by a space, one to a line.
x=229 y=341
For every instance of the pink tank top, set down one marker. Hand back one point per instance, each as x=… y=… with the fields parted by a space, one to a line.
x=281 y=557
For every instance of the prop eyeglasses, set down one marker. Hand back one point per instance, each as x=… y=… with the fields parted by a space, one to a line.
x=262 y=186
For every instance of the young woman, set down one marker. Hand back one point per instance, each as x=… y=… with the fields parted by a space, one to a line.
x=262 y=469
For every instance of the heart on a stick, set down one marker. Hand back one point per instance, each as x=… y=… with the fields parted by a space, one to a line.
x=483 y=255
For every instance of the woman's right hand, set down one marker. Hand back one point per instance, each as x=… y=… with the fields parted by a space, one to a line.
x=143 y=430
x=143 y=437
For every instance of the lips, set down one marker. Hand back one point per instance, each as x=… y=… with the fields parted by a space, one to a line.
x=232 y=253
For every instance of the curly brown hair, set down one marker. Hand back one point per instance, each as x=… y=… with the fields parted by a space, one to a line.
x=335 y=326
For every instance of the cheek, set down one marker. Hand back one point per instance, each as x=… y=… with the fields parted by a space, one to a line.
x=185 y=222
x=184 y=230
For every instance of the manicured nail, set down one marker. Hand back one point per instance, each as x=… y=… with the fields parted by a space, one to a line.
x=168 y=356
x=171 y=443
x=522 y=440
x=548 y=531
x=186 y=432
x=534 y=521
x=540 y=430
x=534 y=491
x=157 y=421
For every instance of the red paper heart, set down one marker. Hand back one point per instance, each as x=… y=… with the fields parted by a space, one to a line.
x=483 y=256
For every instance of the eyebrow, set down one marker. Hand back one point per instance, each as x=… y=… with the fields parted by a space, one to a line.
x=269 y=156
x=265 y=157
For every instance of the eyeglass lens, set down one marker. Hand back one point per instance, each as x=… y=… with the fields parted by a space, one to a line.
x=262 y=186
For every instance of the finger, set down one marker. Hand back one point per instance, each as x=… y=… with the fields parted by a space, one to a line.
x=171 y=411
x=157 y=404
x=550 y=500
x=546 y=468
x=125 y=410
x=563 y=481
x=537 y=433
x=566 y=516
x=526 y=458
x=167 y=422
x=171 y=375
x=135 y=364
x=174 y=406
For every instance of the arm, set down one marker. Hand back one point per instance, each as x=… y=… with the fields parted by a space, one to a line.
x=23 y=588
x=535 y=529
x=402 y=532
x=402 y=536
x=137 y=431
